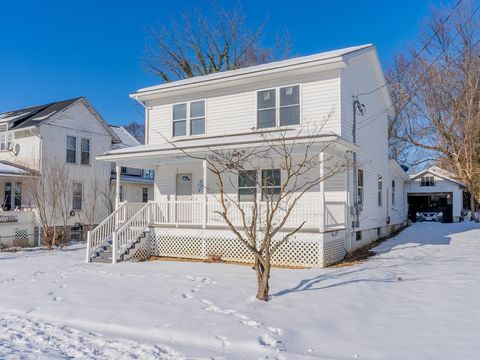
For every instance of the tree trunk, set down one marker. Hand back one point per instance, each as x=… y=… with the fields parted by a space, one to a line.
x=473 y=213
x=263 y=276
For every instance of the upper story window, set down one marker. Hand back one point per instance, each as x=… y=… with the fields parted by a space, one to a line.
x=85 y=152
x=189 y=118
x=71 y=149
x=360 y=187
x=6 y=139
x=272 y=113
x=427 y=181
x=145 y=194
x=380 y=191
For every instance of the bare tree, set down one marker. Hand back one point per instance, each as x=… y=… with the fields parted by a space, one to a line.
x=137 y=130
x=200 y=45
x=437 y=95
x=265 y=227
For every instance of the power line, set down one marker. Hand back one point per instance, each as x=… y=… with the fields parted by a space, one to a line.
x=435 y=33
x=380 y=113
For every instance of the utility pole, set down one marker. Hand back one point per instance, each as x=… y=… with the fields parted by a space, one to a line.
x=357 y=106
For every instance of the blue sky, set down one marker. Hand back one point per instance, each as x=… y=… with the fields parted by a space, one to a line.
x=54 y=50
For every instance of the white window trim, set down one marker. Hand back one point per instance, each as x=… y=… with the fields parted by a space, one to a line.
x=188 y=119
x=277 y=107
x=76 y=149
x=89 y=151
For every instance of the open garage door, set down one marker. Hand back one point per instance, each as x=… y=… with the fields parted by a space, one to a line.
x=430 y=207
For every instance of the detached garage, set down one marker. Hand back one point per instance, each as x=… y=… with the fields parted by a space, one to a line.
x=435 y=195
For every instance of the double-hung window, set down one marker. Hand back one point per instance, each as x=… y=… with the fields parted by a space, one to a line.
x=189 y=118
x=77 y=196
x=271 y=184
x=5 y=140
x=380 y=191
x=393 y=192
x=85 y=151
x=71 y=149
x=282 y=112
x=360 y=187
x=247 y=185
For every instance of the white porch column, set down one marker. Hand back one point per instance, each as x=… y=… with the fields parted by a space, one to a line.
x=321 y=159
x=117 y=186
x=205 y=208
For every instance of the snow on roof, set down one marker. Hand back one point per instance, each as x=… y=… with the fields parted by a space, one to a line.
x=10 y=116
x=43 y=117
x=10 y=169
x=438 y=171
x=126 y=139
x=328 y=55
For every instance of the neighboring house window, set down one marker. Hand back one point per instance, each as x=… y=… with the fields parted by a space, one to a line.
x=144 y=194
x=360 y=187
x=18 y=195
x=71 y=149
x=85 y=152
x=5 y=140
x=427 y=181
x=247 y=185
x=123 y=170
x=197 y=117
x=194 y=118
x=358 y=236
x=180 y=120
x=271 y=184
x=286 y=111
x=393 y=192
x=266 y=108
x=289 y=105
x=77 y=196
x=121 y=193
x=380 y=190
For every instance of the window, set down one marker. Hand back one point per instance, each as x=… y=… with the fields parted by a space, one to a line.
x=77 y=196
x=85 y=152
x=358 y=236
x=360 y=187
x=18 y=195
x=427 y=181
x=195 y=117
x=266 y=109
x=121 y=193
x=247 y=185
x=144 y=194
x=393 y=192
x=180 y=120
x=271 y=184
x=5 y=140
x=288 y=107
x=379 y=232
x=380 y=190
x=71 y=149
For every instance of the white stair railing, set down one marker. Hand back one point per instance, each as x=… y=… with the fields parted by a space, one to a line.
x=130 y=231
x=103 y=232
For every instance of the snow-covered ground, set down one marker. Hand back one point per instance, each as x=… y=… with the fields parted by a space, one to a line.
x=419 y=298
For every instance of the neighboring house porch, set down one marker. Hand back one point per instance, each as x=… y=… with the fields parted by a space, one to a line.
x=183 y=220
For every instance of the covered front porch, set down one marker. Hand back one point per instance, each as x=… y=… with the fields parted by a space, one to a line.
x=186 y=212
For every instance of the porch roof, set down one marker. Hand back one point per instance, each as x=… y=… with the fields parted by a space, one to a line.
x=8 y=169
x=147 y=154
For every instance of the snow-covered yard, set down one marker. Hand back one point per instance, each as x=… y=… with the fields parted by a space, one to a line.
x=417 y=299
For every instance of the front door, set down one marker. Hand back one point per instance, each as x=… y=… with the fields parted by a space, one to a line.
x=184 y=207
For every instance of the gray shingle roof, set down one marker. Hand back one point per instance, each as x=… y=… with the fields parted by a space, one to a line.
x=34 y=115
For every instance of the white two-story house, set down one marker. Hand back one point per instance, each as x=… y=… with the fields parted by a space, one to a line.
x=219 y=111
x=48 y=170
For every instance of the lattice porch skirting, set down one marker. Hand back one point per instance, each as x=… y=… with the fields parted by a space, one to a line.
x=306 y=249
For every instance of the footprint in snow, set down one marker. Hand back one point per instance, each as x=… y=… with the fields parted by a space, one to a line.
x=187 y=296
x=251 y=323
x=223 y=340
x=267 y=340
x=276 y=331
x=56 y=298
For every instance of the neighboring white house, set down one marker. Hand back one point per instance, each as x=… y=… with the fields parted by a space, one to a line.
x=435 y=190
x=218 y=111
x=56 y=142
